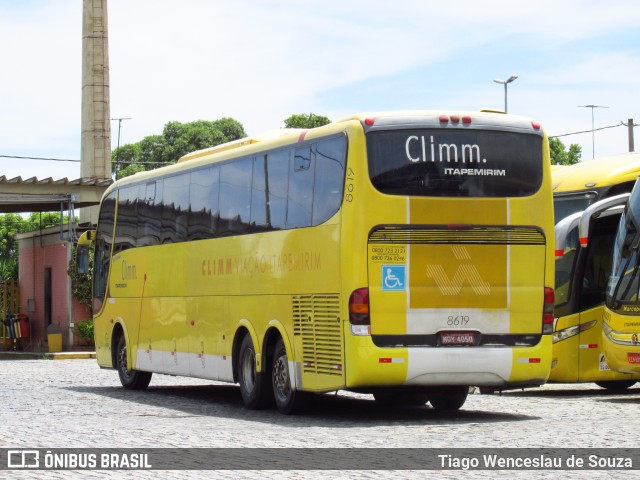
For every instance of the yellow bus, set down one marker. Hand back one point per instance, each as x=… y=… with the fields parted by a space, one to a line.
x=621 y=330
x=404 y=254
x=577 y=186
x=584 y=242
x=581 y=270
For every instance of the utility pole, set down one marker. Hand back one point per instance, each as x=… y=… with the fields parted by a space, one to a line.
x=593 y=132
x=118 y=147
x=630 y=130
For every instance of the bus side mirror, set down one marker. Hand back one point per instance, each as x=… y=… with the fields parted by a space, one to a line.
x=82 y=251
x=82 y=260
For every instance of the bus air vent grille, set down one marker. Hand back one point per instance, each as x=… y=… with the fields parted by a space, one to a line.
x=473 y=234
x=316 y=319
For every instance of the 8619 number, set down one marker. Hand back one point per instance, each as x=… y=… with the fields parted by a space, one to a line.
x=457 y=320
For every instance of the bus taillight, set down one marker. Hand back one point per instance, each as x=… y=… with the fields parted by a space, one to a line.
x=466 y=119
x=547 y=311
x=359 y=312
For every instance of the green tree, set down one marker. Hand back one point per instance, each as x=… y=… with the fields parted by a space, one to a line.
x=80 y=282
x=176 y=140
x=10 y=224
x=13 y=223
x=125 y=155
x=8 y=268
x=303 y=120
x=560 y=156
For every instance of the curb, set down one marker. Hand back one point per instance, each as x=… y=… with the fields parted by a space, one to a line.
x=46 y=355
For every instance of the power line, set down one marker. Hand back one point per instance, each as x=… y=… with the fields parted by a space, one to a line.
x=40 y=158
x=621 y=124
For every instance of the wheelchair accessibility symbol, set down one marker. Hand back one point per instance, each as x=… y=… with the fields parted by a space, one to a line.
x=393 y=277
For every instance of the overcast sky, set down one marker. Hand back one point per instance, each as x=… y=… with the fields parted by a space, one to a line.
x=260 y=61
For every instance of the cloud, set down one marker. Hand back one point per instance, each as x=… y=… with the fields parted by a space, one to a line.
x=259 y=62
x=41 y=79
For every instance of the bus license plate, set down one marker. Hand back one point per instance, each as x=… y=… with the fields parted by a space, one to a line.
x=457 y=338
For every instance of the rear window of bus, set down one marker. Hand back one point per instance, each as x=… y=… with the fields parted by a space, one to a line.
x=473 y=163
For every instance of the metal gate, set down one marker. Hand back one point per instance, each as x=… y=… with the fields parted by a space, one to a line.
x=9 y=303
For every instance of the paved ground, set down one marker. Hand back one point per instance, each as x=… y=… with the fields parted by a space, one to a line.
x=74 y=404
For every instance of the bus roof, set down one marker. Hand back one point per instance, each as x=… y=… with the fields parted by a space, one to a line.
x=599 y=172
x=273 y=134
x=284 y=136
x=491 y=118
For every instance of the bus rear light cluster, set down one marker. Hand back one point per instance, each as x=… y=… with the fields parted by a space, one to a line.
x=465 y=119
x=359 y=312
x=547 y=311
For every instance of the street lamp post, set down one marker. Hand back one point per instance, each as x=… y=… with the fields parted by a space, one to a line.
x=593 y=131
x=505 y=83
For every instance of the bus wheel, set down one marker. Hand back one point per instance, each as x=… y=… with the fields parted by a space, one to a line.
x=616 y=385
x=288 y=400
x=448 y=398
x=255 y=387
x=130 y=379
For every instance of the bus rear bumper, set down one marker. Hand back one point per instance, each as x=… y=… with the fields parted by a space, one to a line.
x=476 y=366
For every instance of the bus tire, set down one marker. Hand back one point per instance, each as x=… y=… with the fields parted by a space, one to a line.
x=448 y=398
x=288 y=400
x=130 y=379
x=255 y=387
x=616 y=385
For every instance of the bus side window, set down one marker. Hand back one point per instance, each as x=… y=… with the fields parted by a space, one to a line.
x=175 y=211
x=277 y=181
x=235 y=197
x=260 y=214
x=149 y=217
x=300 y=198
x=127 y=222
x=203 y=200
x=329 y=179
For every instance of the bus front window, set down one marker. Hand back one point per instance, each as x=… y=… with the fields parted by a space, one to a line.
x=624 y=280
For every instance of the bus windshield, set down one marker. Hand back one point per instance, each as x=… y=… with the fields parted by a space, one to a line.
x=565 y=205
x=624 y=282
x=447 y=163
x=565 y=268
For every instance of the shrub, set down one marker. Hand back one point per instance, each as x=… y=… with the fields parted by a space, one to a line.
x=85 y=329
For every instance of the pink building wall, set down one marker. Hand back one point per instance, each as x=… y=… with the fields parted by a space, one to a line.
x=37 y=254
